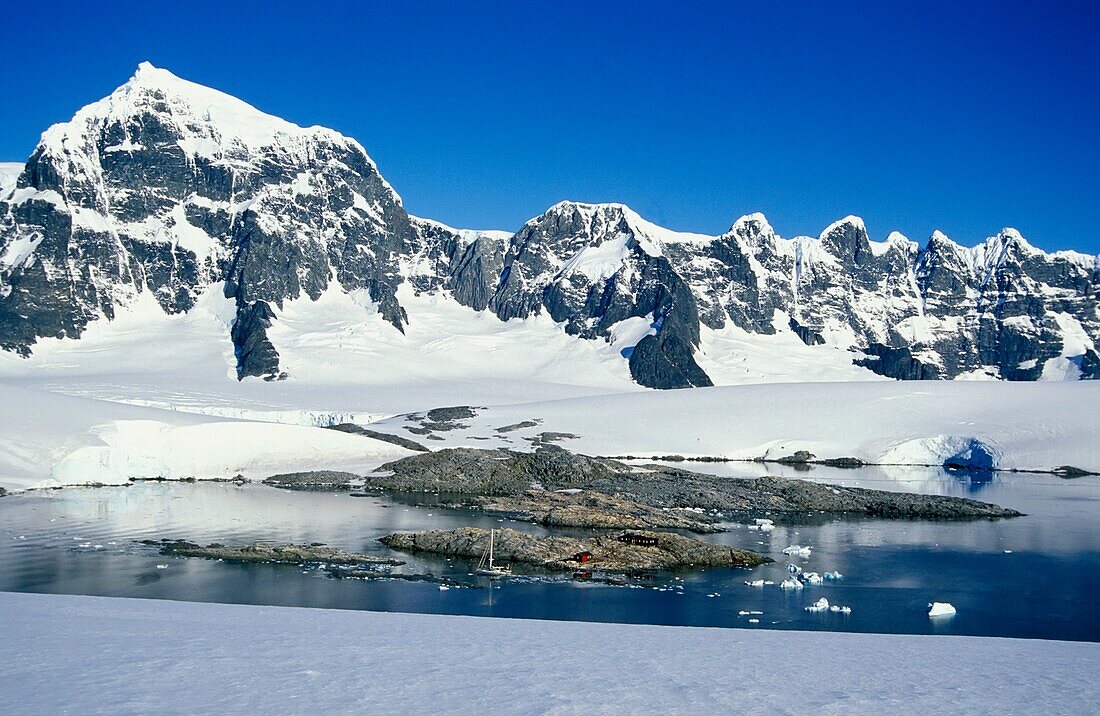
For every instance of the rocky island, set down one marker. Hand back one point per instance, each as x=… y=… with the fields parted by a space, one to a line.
x=280 y=554
x=531 y=483
x=586 y=508
x=617 y=552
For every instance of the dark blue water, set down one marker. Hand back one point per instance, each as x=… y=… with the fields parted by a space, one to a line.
x=1035 y=576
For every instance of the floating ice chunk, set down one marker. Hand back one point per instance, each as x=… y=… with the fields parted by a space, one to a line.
x=812 y=578
x=833 y=575
x=840 y=609
x=763 y=521
x=756 y=583
x=794 y=568
x=752 y=527
x=1008 y=551
x=744 y=613
x=767 y=528
x=821 y=605
x=940 y=609
x=790 y=583
x=162 y=566
x=796 y=550
x=754 y=621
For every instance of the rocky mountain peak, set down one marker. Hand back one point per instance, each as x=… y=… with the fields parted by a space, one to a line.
x=172 y=188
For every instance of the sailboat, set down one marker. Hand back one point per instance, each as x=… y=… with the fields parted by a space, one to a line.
x=486 y=567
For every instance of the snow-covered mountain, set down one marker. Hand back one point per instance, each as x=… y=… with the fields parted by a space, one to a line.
x=172 y=190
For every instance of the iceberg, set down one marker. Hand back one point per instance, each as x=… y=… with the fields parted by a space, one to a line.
x=790 y=583
x=833 y=576
x=839 y=609
x=940 y=609
x=795 y=550
x=812 y=578
x=821 y=605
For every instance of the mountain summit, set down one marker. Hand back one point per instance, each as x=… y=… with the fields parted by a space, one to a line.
x=174 y=189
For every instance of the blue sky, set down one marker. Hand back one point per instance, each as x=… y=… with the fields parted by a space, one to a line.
x=961 y=116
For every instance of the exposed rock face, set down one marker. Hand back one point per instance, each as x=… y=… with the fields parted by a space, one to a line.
x=593 y=510
x=491 y=472
x=384 y=437
x=500 y=473
x=286 y=554
x=316 y=480
x=255 y=354
x=608 y=553
x=169 y=189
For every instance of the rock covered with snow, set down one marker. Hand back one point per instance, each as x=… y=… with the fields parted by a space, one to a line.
x=171 y=188
x=168 y=187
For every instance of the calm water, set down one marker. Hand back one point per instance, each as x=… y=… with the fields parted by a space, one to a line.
x=1035 y=576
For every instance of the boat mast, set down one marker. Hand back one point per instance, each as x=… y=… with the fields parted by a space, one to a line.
x=490 y=549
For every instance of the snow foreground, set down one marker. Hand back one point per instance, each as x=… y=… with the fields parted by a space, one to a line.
x=52 y=440
x=180 y=657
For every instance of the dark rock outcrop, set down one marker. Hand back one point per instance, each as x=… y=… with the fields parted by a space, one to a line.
x=256 y=356
x=281 y=554
x=315 y=480
x=593 y=510
x=501 y=473
x=609 y=553
x=384 y=437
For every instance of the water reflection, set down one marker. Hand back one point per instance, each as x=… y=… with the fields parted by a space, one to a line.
x=1032 y=576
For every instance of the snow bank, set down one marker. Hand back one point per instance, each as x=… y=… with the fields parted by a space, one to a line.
x=51 y=439
x=215 y=658
x=9 y=175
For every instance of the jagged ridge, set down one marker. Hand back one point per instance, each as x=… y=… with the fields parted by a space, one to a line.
x=169 y=187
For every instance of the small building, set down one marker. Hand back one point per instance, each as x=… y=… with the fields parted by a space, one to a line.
x=582 y=557
x=638 y=540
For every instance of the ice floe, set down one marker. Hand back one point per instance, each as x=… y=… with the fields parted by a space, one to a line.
x=759 y=582
x=940 y=609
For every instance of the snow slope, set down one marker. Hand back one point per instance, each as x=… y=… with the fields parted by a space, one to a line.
x=9 y=174
x=131 y=655
x=345 y=362
x=51 y=439
x=1019 y=425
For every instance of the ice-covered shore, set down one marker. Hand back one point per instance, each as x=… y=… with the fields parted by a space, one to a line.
x=48 y=438
x=76 y=654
